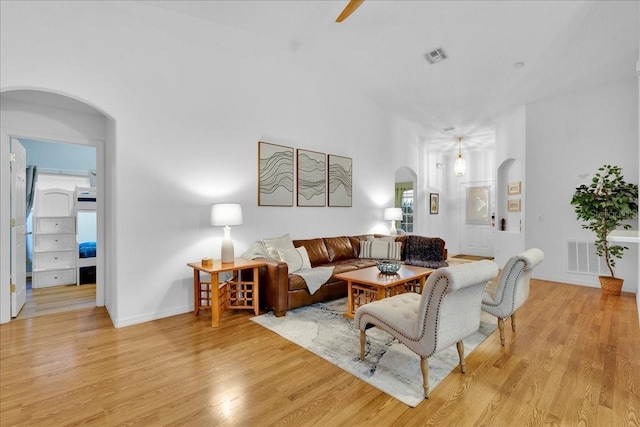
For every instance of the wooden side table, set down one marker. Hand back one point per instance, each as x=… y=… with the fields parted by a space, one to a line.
x=234 y=293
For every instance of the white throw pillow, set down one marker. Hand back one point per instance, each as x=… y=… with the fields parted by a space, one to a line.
x=376 y=249
x=296 y=259
x=282 y=243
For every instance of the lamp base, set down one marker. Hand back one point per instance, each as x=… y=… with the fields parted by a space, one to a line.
x=393 y=231
x=226 y=253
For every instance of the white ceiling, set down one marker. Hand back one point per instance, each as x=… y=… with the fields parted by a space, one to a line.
x=379 y=49
x=565 y=45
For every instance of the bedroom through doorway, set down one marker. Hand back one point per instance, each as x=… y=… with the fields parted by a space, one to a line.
x=61 y=268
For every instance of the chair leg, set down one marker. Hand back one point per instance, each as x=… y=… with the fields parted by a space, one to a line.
x=424 y=367
x=460 y=347
x=513 y=321
x=501 y=327
x=363 y=340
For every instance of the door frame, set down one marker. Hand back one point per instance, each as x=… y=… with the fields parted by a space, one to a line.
x=5 y=213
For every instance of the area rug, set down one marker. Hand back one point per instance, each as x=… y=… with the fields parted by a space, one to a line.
x=388 y=365
x=472 y=257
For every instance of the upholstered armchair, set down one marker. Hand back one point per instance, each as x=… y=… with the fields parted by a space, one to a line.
x=447 y=311
x=502 y=297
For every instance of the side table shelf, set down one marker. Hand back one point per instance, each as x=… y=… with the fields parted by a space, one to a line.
x=232 y=294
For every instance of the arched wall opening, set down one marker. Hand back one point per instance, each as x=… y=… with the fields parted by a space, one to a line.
x=406 y=198
x=49 y=116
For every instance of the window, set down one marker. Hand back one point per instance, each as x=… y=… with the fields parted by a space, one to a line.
x=406 y=204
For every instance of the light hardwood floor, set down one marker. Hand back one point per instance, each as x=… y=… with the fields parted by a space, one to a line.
x=57 y=299
x=575 y=360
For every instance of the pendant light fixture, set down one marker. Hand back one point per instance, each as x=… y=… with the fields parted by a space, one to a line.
x=460 y=166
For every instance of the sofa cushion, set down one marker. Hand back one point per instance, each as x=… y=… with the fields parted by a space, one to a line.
x=377 y=249
x=316 y=249
x=273 y=244
x=338 y=248
x=296 y=259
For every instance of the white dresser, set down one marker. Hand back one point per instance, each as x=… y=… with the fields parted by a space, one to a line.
x=54 y=238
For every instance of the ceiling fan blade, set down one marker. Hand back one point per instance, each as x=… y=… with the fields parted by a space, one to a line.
x=349 y=9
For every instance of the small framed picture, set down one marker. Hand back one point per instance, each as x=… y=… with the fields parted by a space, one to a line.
x=434 y=203
x=514 y=188
x=513 y=205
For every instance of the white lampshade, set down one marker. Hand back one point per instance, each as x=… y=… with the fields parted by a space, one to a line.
x=226 y=214
x=393 y=215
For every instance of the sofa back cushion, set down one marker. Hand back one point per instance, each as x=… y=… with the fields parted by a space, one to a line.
x=316 y=249
x=338 y=248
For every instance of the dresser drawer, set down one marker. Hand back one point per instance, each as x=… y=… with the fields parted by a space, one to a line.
x=56 y=259
x=43 y=279
x=54 y=242
x=55 y=225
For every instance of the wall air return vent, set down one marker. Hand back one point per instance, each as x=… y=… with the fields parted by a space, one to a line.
x=436 y=55
x=583 y=258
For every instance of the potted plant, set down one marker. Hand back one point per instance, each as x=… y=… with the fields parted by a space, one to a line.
x=604 y=205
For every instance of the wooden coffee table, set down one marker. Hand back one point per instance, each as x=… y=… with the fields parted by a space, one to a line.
x=368 y=284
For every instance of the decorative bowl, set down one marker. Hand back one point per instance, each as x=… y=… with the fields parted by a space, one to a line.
x=388 y=266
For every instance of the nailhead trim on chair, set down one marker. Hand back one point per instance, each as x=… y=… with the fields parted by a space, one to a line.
x=424 y=327
x=515 y=291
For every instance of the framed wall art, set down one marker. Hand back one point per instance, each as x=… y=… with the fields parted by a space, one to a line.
x=434 y=203
x=340 y=175
x=478 y=205
x=514 y=188
x=275 y=175
x=312 y=178
x=513 y=205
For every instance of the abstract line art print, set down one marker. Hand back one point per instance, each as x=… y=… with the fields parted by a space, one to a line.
x=275 y=175
x=340 y=181
x=312 y=178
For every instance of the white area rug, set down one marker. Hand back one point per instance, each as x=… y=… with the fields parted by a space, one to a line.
x=388 y=365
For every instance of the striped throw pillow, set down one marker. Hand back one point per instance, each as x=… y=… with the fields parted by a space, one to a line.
x=376 y=249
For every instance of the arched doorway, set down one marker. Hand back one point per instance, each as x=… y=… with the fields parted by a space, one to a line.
x=406 y=198
x=52 y=117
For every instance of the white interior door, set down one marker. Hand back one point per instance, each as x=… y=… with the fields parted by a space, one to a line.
x=477 y=231
x=18 y=229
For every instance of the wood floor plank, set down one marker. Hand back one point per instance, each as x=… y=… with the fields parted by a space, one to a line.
x=573 y=360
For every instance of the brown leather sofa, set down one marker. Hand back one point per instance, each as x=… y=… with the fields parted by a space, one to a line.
x=284 y=291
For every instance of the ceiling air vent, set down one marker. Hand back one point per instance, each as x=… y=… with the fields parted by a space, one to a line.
x=436 y=55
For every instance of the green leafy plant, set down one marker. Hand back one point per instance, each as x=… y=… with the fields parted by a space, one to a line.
x=603 y=205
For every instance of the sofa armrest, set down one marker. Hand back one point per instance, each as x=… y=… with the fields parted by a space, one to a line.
x=275 y=280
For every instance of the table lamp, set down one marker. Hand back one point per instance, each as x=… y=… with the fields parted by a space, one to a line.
x=225 y=215
x=393 y=215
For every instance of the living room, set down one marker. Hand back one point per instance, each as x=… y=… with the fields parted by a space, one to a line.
x=207 y=152
x=180 y=104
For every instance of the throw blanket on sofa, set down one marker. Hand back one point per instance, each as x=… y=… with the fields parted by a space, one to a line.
x=314 y=277
x=425 y=252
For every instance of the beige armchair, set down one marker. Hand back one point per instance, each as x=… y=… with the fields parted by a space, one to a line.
x=447 y=311
x=505 y=295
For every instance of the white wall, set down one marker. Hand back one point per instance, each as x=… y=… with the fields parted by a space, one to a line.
x=190 y=101
x=570 y=135
x=510 y=158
